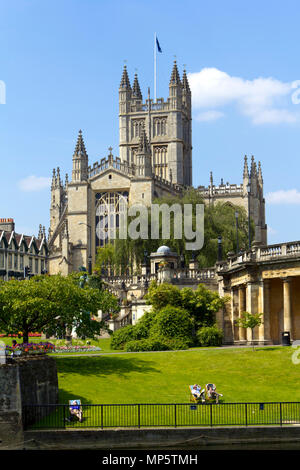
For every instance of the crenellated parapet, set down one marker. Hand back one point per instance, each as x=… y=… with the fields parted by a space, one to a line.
x=110 y=162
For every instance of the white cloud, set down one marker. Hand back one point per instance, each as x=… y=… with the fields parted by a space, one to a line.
x=34 y=183
x=289 y=196
x=263 y=100
x=210 y=115
x=272 y=231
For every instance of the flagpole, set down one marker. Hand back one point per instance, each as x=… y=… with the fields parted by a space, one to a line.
x=154 y=67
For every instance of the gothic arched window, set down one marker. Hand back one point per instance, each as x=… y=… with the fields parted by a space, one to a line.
x=110 y=206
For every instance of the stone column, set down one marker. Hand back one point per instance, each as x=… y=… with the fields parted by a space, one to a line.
x=242 y=308
x=260 y=309
x=287 y=307
x=266 y=311
x=234 y=314
x=251 y=305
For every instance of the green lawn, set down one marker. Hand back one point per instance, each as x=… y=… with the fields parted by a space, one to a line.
x=241 y=374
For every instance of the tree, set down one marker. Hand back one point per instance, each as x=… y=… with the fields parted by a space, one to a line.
x=172 y=322
x=53 y=304
x=202 y=304
x=174 y=319
x=250 y=320
x=161 y=295
x=219 y=221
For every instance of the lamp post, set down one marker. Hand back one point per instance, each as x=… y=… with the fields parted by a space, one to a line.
x=89 y=245
x=249 y=193
x=220 y=254
x=237 y=231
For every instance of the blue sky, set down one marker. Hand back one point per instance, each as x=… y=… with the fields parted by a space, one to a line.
x=61 y=64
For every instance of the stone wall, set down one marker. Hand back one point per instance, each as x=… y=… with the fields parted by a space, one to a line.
x=24 y=381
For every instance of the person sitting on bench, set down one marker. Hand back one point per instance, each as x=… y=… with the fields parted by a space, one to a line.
x=75 y=409
x=197 y=392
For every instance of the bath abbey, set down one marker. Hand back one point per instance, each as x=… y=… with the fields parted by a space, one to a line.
x=155 y=160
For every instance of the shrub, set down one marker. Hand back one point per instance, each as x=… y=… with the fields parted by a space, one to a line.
x=210 y=336
x=148 y=344
x=160 y=295
x=172 y=322
x=175 y=344
x=143 y=325
x=122 y=336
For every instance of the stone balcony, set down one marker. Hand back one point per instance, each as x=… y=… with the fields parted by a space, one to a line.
x=260 y=254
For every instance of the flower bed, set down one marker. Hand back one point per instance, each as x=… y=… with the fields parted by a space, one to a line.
x=30 y=348
x=46 y=347
x=19 y=335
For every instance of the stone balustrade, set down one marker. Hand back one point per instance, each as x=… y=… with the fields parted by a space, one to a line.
x=263 y=253
x=193 y=275
x=110 y=162
x=221 y=190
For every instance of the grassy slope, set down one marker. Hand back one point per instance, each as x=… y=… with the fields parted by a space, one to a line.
x=267 y=374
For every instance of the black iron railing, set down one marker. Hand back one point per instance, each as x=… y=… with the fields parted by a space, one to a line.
x=163 y=415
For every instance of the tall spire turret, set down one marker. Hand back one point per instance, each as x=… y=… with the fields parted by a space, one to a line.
x=246 y=170
x=40 y=235
x=125 y=93
x=185 y=82
x=53 y=183
x=136 y=90
x=260 y=177
x=186 y=91
x=175 y=88
x=175 y=78
x=253 y=171
x=80 y=147
x=143 y=156
x=245 y=175
x=80 y=160
x=125 y=83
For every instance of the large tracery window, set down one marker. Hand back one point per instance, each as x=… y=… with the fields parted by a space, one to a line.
x=109 y=207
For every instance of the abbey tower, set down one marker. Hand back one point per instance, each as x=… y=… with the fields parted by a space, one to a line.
x=168 y=125
x=155 y=160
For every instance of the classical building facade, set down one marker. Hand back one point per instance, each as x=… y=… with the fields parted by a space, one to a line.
x=264 y=280
x=18 y=251
x=155 y=160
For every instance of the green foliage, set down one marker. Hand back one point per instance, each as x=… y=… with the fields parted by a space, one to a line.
x=147 y=344
x=172 y=322
x=144 y=324
x=219 y=220
x=174 y=317
x=156 y=344
x=160 y=295
x=202 y=304
x=250 y=320
x=53 y=304
x=210 y=336
x=122 y=336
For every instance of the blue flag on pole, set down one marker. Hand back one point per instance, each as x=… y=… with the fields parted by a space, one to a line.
x=158 y=46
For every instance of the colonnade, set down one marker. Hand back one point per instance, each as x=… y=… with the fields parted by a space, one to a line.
x=255 y=297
